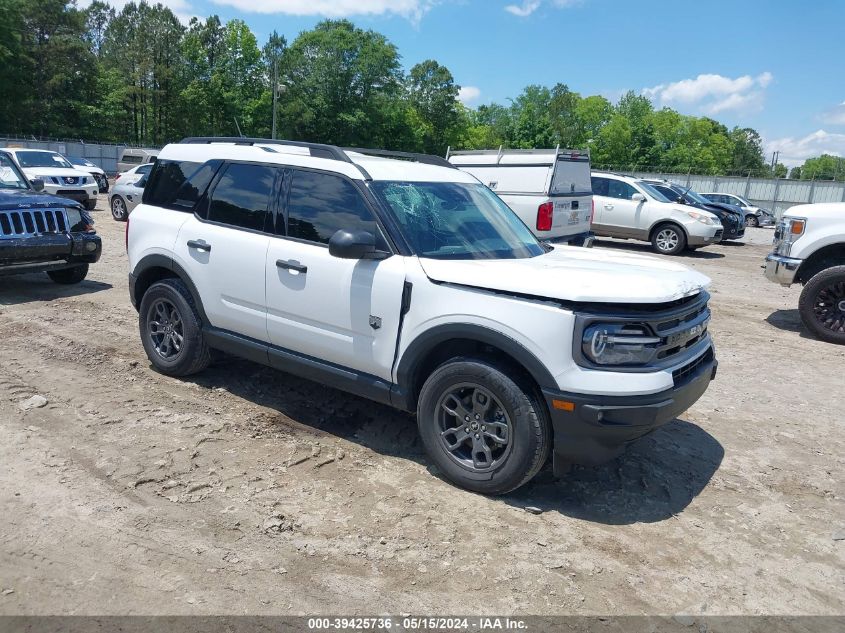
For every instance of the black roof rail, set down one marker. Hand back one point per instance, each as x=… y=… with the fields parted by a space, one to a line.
x=318 y=150
x=428 y=159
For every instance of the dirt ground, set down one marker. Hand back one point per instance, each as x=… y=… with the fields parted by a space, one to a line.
x=248 y=491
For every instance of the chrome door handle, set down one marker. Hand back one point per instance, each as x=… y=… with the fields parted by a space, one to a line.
x=199 y=245
x=292 y=265
x=608 y=206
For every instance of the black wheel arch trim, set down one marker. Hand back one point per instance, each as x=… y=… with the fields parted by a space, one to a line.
x=409 y=362
x=162 y=261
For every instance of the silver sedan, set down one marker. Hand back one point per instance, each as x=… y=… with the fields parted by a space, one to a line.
x=125 y=196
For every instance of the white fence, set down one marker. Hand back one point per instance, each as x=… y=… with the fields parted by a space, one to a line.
x=776 y=194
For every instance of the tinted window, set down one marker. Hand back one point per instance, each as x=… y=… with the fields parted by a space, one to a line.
x=599 y=186
x=177 y=185
x=129 y=158
x=242 y=196
x=619 y=189
x=321 y=204
x=668 y=192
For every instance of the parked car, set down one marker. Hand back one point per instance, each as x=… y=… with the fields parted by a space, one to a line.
x=731 y=217
x=41 y=232
x=549 y=189
x=414 y=285
x=60 y=178
x=83 y=164
x=809 y=248
x=754 y=215
x=134 y=156
x=125 y=197
x=631 y=208
x=136 y=173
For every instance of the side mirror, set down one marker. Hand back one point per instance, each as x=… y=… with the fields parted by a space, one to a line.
x=37 y=184
x=638 y=197
x=352 y=244
x=681 y=200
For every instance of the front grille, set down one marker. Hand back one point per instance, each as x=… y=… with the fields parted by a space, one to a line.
x=683 y=375
x=26 y=222
x=719 y=234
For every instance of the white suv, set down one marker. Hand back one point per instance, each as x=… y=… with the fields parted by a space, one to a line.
x=630 y=208
x=60 y=178
x=412 y=284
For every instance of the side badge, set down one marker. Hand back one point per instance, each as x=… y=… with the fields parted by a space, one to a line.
x=375 y=322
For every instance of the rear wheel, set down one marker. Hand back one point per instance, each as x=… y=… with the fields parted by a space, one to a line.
x=171 y=329
x=485 y=432
x=751 y=220
x=118 y=209
x=668 y=239
x=822 y=305
x=90 y=204
x=68 y=276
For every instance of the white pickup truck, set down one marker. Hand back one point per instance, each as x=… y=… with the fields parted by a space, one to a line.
x=549 y=189
x=809 y=248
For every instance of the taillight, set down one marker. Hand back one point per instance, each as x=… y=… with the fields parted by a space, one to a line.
x=544 y=216
x=592 y=212
x=127 y=234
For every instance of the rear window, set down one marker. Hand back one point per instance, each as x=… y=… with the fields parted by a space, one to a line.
x=131 y=158
x=178 y=185
x=571 y=177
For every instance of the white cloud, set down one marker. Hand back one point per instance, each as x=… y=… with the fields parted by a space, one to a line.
x=182 y=9
x=468 y=94
x=794 y=151
x=522 y=10
x=411 y=9
x=713 y=94
x=834 y=116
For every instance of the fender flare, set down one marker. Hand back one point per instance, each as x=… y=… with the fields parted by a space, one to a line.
x=409 y=362
x=162 y=261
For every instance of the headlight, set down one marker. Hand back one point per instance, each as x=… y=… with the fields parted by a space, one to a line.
x=787 y=233
x=704 y=218
x=619 y=344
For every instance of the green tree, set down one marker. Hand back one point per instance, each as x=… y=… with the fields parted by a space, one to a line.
x=433 y=97
x=824 y=167
x=747 y=155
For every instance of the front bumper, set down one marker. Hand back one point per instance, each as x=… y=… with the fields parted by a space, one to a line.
x=584 y=239
x=782 y=270
x=79 y=194
x=48 y=252
x=712 y=237
x=598 y=428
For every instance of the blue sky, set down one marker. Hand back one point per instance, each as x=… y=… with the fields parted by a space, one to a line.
x=777 y=65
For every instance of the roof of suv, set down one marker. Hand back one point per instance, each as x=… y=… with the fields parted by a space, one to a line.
x=610 y=174
x=276 y=152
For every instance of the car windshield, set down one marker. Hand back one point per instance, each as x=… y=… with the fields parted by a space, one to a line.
x=654 y=193
x=41 y=159
x=10 y=176
x=448 y=220
x=84 y=162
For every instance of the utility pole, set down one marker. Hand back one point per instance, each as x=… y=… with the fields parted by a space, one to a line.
x=275 y=92
x=775 y=156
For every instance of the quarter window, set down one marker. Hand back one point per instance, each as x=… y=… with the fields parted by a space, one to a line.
x=242 y=196
x=177 y=185
x=321 y=204
x=599 y=186
x=619 y=189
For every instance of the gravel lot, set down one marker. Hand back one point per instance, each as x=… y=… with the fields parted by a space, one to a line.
x=235 y=492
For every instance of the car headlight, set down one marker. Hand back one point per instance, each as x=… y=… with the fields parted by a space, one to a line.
x=619 y=344
x=787 y=233
x=704 y=218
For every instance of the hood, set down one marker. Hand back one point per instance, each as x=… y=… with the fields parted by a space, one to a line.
x=721 y=206
x=821 y=210
x=12 y=199
x=572 y=273
x=41 y=172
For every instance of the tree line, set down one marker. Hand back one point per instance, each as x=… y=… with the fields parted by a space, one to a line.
x=139 y=76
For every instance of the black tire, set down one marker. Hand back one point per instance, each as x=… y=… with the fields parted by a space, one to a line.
x=668 y=239
x=751 y=220
x=171 y=329
x=514 y=413
x=69 y=276
x=90 y=204
x=822 y=305
x=118 y=209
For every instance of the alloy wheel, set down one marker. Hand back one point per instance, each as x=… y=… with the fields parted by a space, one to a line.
x=667 y=240
x=118 y=208
x=475 y=429
x=829 y=307
x=166 y=329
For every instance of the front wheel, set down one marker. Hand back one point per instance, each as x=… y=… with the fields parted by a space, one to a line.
x=668 y=239
x=822 y=305
x=484 y=431
x=69 y=276
x=751 y=220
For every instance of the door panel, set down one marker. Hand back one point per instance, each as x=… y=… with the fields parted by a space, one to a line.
x=229 y=276
x=339 y=310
